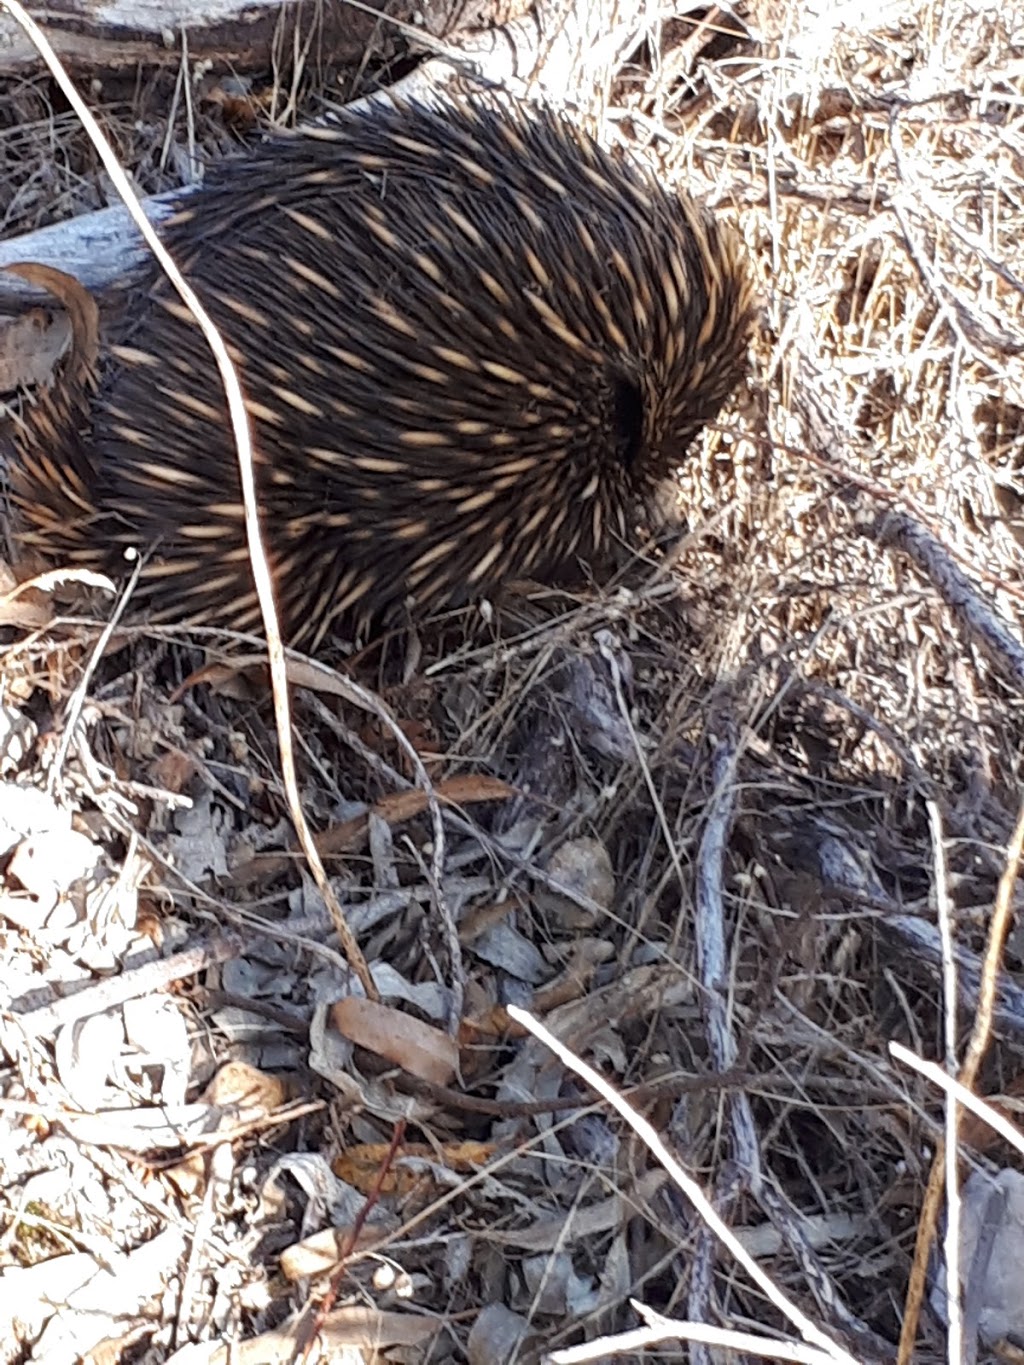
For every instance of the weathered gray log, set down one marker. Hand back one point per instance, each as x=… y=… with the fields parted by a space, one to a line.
x=561 y=50
x=235 y=35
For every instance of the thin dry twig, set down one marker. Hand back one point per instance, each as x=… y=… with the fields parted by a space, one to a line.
x=981 y=1033
x=648 y=1135
x=949 y=1165
x=73 y=712
x=711 y=953
x=999 y=928
x=316 y=676
x=132 y=984
x=1009 y=1132
x=665 y=1329
x=977 y=618
x=895 y=528
x=709 y=929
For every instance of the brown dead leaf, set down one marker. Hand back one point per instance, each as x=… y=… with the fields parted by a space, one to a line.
x=226 y=680
x=484 y=1026
x=30 y=346
x=150 y=921
x=350 y=836
x=239 y=105
x=378 y=737
x=399 y=807
x=238 y=1083
x=585 y=956
x=479 y=918
x=467 y=790
x=979 y=1135
x=173 y=771
x=320 y=1253
x=188 y=1176
x=26 y=612
x=418 y=1048
x=360 y=1165
x=356 y=1326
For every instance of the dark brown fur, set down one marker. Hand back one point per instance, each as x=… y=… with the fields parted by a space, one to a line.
x=470 y=343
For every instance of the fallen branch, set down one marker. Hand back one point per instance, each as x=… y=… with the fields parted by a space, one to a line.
x=235 y=35
x=558 y=51
x=132 y=984
x=896 y=528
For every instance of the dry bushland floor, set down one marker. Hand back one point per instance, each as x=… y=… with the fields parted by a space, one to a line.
x=765 y=771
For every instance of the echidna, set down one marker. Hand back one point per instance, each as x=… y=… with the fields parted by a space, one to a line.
x=470 y=342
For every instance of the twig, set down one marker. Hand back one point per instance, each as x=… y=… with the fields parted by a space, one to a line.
x=977 y=618
x=665 y=1329
x=710 y=920
x=981 y=1032
x=1008 y=1004
x=1002 y=918
x=326 y=679
x=709 y=928
x=711 y=956
x=934 y=1073
x=906 y=530
x=316 y=1315
x=647 y=1134
x=73 y=712
x=202 y=1233
x=954 y=1340
x=130 y=985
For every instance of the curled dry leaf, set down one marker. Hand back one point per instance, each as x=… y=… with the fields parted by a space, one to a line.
x=346 y=1336
x=361 y=1165
x=583 y=866
x=245 y=1086
x=397 y=808
x=319 y=1254
x=173 y=771
x=991 y=1251
x=361 y=1328
x=48 y=864
x=25 y=608
x=416 y=1047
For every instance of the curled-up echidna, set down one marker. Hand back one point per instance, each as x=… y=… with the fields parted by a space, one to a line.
x=470 y=342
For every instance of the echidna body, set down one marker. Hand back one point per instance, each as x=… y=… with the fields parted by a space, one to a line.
x=469 y=343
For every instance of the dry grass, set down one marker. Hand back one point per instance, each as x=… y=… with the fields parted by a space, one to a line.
x=752 y=739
